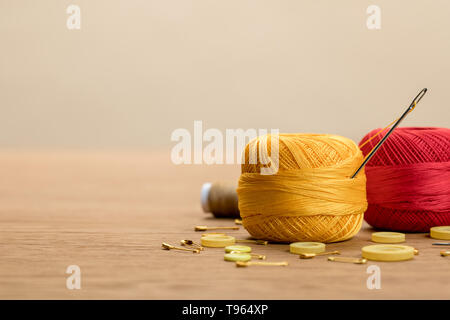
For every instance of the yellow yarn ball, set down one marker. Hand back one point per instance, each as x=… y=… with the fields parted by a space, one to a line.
x=311 y=197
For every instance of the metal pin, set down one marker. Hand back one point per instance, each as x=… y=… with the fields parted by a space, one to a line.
x=408 y=110
x=238 y=221
x=191 y=243
x=445 y=253
x=167 y=246
x=441 y=244
x=258 y=256
x=260 y=242
x=312 y=255
x=213 y=234
x=204 y=228
x=349 y=260
x=259 y=263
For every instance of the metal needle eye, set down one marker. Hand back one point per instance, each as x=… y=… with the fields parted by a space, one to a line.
x=204 y=228
x=167 y=246
x=408 y=110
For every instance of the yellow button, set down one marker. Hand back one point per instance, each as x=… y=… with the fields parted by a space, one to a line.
x=441 y=233
x=388 y=237
x=237 y=257
x=217 y=241
x=242 y=249
x=306 y=247
x=388 y=252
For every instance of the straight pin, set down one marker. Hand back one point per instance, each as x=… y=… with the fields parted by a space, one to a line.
x=445 y=253
x=259 y=263
x=441 y=244
x=191 y=244
x=213 y=234
x=312 y=255
x=167 y=246
x=348 y=260
x=204 y=228
x=260 y=242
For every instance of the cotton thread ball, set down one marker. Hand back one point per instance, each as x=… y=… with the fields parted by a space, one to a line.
x=408 y=179
x=311 y=197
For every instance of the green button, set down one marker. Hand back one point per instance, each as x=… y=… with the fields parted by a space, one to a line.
x=237 y=257
x=243 y=249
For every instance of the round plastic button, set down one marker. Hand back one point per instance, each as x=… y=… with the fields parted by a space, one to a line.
x=306 y=247
x=237 y=257
x=388 y=252
x=217 y=241
x=242 y=249
x=388 y=237
x=441 y=233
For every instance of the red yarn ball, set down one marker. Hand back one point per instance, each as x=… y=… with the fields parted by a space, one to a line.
x=408 y=179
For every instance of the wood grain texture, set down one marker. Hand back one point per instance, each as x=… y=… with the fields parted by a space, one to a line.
x=108 y=213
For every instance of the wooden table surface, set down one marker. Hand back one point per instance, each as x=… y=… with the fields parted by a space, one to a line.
x=109 y=211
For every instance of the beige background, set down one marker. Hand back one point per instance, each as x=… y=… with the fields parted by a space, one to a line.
x=137 y=70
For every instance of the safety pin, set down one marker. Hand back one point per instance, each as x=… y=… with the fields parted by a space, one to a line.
x=258 y=256
x=191 y=243
x=167 y=246
x=408 y=110
x=349 y=260
x=445 y=253
x=204 y=228
x=259 y=263
x=312 y=255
